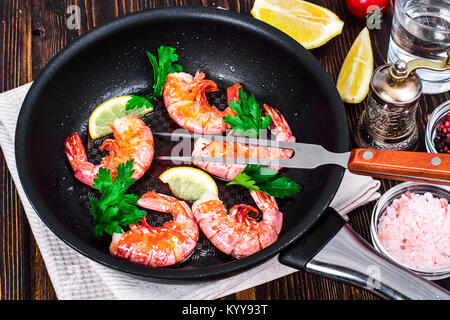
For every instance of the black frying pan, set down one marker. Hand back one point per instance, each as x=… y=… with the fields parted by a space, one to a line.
x=110 y=61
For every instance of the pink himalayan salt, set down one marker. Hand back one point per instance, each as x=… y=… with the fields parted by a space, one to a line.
x=415 y=230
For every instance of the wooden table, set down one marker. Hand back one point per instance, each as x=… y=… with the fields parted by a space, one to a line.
x=33 y=31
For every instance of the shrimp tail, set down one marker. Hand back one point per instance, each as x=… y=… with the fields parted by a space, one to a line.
x=269 y=206
x=232 y=95
x=241 y=213
x=233 y=92
x=279 y=123
x=155 y=201
x=280 y=128
x=76 y=154
x=203 y=87
x=263 y=200
x=74 y=148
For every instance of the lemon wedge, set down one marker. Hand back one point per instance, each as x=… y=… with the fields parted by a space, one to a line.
x=354 y=78
x=188 y=183
x=308 y=23
x=104 y=115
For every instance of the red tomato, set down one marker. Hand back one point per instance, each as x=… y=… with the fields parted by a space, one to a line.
x=358 y=8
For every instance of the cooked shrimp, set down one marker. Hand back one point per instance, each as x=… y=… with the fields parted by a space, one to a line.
x=132 y=140
x=207 y=148
x=185 y=100
x=158 y=246
x=236 y=233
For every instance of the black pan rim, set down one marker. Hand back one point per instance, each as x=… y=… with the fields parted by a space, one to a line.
x=214 y=15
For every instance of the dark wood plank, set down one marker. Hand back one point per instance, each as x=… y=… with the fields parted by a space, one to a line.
x=16 y=244
x=33 y=31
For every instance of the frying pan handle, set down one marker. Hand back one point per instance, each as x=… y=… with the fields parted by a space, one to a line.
x=333 y=250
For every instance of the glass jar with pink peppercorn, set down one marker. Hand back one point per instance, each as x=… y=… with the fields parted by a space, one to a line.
x=437 y=134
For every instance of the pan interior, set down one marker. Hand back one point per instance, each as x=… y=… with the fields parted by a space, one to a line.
x=116 y=64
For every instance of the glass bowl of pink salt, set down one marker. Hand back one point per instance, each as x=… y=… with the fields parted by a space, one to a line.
x=410 y=225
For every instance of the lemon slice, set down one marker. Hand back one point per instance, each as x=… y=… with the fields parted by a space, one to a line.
x=308 y=23
x=105 y=114
x=188 y=183
x=354 y=78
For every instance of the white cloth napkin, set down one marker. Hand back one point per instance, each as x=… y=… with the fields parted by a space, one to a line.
x=76 y=277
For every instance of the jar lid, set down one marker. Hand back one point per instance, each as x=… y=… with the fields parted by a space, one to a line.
x=394 y=91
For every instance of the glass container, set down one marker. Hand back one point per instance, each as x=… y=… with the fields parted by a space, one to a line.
x=386 y=200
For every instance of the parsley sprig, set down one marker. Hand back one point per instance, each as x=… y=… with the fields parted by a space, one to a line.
x=139 y=102
x=162 y=66
x=248 y=121
x=115 y=208
x=264 y=179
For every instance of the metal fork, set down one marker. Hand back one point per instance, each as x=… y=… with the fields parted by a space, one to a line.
x=306 y=156
x=390 y=164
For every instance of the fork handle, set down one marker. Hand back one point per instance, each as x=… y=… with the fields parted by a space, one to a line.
x=401 y=165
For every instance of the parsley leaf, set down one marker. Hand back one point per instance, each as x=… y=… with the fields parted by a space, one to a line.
x=139 y=102
x=115 y=208
x=162 y=66
x=248 y=121
x=264 y=179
